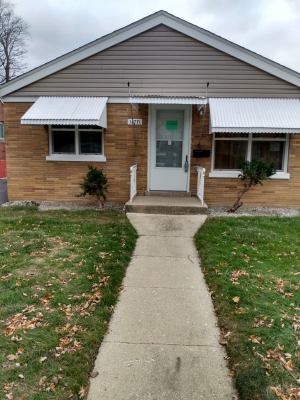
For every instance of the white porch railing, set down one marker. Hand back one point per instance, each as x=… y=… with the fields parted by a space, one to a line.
x=200 y=184
x=133 y=186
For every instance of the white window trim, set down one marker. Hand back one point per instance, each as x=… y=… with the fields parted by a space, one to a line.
x=76 y=156
x=227 y=173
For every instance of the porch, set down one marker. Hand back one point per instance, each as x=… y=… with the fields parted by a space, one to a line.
x=170 y=204
x=167 y=202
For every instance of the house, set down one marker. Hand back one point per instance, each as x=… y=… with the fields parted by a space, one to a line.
x=161 y=106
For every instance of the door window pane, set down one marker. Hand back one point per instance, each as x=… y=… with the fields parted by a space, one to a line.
x=169 y=124
x=168 y=155
x=229 y=154
x=169 y=138
x=90 y=142
x=63 y=142
x=269 y=151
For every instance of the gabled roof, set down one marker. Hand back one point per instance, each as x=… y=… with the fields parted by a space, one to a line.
x=140 y=26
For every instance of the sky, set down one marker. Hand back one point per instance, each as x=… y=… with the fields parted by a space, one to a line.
x=268 y=27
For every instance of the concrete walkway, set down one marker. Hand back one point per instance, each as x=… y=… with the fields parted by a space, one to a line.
x=162 y=342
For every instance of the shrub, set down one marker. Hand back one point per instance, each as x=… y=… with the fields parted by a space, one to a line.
x=252 y=173
x=95 y=184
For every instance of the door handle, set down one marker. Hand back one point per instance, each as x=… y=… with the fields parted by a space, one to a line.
x=186 y=164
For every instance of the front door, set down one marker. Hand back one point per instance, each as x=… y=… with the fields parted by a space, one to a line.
x=169 y=147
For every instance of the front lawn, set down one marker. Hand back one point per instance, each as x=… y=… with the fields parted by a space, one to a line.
x=252 y=267
x=60 y=275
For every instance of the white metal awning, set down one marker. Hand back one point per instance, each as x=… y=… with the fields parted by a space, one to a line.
x=254 y=115
x=67 y=111
x=167 y=100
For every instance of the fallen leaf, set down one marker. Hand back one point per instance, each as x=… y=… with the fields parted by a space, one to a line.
x=12 y=357
x=256 y=339
x=235 y=275
x=263 y=322
x=224 y=337
x=296 y=322
x=42 y=380
x=279 y=393
x=104 y=281
x=103 y=254
x=7 y=387
x=291 y=393
x=51 y=387
x=82 y=392
x=295 y=392
x=289 y=365
x=236 y=299
x=16 y=339
x=22 y=321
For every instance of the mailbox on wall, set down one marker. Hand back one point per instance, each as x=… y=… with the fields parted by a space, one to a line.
x=197 y=153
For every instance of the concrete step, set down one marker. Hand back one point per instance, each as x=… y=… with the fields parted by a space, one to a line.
x=167 y=193
x=171 y=205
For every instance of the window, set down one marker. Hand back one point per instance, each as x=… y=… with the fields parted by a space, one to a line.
x=269 y=151
x=63 y=142
x=90 y=142
x=230 y=153
x=75 y=143
x=1 y=131
x=229 y=150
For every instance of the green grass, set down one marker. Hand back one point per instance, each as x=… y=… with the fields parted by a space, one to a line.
x=60 y=275
x=252 y=268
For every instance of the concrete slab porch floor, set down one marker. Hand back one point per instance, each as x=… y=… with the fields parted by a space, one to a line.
x=162 y=342
x=164 y=204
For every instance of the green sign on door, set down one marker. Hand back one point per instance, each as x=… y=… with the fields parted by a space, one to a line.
x=171 y=125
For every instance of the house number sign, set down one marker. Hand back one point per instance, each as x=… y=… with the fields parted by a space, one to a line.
x=135 y=121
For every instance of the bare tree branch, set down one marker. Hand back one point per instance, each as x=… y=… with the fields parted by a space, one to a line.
x=13 y=35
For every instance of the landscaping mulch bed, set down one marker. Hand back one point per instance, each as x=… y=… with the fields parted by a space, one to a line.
x=247 y=211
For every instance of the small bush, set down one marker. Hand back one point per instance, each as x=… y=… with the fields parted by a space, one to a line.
x=252 y=173
x=95 y=184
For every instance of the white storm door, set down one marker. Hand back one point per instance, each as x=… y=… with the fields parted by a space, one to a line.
x=169 y=147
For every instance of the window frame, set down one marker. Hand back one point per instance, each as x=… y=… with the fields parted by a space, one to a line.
x=3 y=133
x=234 y=173
x=77 y=156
